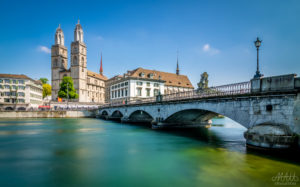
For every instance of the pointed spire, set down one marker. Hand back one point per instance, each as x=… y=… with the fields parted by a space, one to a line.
x=177 y=69
x=78 y=22
x=59 y=26
x=101 y=67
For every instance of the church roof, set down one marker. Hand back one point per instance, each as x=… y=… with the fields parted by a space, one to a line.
x=96 y=75
x=171 y=79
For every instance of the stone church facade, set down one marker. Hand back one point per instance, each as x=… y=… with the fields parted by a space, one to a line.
x=89 y=85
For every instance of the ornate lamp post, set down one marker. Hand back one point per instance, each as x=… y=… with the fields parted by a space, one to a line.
x=257 y=44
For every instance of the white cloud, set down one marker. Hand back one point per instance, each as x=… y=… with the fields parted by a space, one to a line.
x=209 y=50
x=44 y=49
x=99 y=38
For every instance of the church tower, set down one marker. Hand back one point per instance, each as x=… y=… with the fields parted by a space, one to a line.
x=78 y=63
x=59 y=61
x=177 y=68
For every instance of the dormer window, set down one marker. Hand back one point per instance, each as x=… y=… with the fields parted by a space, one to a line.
x=150 y=75
x=142 y=74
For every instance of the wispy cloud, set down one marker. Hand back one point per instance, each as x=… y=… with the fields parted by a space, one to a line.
x=209 y=50
x=44 y=49
x=99 y=38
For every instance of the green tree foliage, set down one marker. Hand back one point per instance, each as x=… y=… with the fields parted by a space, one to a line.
x=46 y=90
x=67 y=84
x=44 y=80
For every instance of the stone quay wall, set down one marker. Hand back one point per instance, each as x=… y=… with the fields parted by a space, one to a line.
x=47 y=114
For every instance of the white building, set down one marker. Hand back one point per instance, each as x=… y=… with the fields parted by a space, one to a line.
x=144 y=83
x=19 y=92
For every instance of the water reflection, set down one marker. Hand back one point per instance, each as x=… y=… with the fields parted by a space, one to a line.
x=92 y=152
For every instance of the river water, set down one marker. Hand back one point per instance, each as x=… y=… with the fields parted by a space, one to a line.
x=93 y=152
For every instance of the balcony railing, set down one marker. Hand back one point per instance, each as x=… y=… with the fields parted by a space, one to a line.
x=217 y=91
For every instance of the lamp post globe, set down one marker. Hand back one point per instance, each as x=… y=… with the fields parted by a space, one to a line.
x=257 y=44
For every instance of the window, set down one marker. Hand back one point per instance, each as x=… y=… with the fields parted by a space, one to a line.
x=126 y=92
x=75 y=60
x=14 y=81
x=21 y=81
x=139 y=83
x=6 y=86
x=126 y=83
x=21 y=100
x=1 y=87
x=148 y=92
x=22 y=87
x=150 y=75
x=14 y=87
x=119 y=93
x=156 y=85
x=7 y=81
x=1 y=81
x=122 y=84
x=21 y=94
x=6 y=100
x=155 y=92
x=139 y=92
x=55 y=63
x=122 y=92
x=142 y=74
x=148 y=83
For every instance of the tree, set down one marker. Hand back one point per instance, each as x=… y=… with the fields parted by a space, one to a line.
x=46 y=90
x=44 y=80
x=66 y=87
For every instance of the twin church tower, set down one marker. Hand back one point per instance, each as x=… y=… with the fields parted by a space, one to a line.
x=90 y=86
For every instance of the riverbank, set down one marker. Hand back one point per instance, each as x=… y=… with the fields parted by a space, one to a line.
x=47 y=114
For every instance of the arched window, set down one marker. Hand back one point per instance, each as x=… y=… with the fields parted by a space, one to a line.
x=59 y=39
x=62 y=62
x=79 y=33
x=75 y=61
x=55 y=63
x=82 y=64
x=82 y=61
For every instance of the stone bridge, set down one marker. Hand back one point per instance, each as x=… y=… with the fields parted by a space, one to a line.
x=268 y=107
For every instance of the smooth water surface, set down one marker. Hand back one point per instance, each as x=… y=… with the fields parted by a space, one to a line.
x=93 y=152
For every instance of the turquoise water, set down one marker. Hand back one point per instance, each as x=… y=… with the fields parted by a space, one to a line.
x=93 y=152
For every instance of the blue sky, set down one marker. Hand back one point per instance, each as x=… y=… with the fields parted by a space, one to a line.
x=212 y=36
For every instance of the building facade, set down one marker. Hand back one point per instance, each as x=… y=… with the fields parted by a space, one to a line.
x=19 y=92
x=90 y=86
x=144 y=83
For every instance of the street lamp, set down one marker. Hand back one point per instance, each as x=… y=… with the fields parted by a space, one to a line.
x=257 y=44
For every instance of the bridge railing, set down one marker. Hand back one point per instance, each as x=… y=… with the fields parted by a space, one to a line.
x=224 y=90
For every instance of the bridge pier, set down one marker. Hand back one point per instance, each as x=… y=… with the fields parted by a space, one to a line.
x=270 y=136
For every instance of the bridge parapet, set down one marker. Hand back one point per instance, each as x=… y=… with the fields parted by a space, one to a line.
x=235 y=89
x=281 y=83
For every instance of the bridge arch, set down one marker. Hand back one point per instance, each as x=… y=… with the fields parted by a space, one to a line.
x=117 y=114
x=190 y=115
x=204 y=111
x=104 y=113
x=141 y=116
